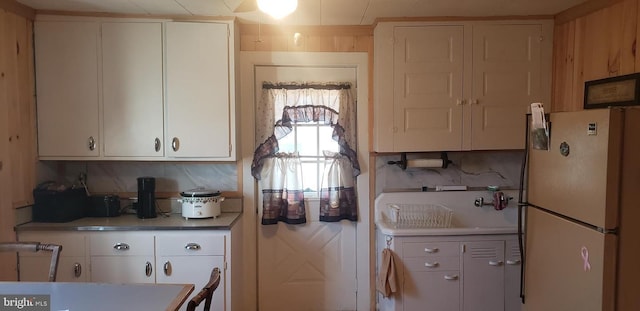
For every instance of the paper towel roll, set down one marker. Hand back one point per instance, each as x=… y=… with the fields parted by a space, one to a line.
x=425 y=163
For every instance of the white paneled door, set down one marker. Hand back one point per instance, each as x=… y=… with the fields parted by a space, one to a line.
x=310 y=266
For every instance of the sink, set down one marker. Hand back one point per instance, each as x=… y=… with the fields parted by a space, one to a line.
x=467 y=219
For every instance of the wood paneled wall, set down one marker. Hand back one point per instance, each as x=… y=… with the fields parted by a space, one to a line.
x=593 y=45
x=17 y=124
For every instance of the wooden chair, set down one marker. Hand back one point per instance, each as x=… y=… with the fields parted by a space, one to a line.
x=36 y=247
x=206 y=293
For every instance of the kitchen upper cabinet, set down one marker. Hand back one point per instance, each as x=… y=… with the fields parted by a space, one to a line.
x=132 y=89
x=67 y=84
x=198 y=99
x=458 y=86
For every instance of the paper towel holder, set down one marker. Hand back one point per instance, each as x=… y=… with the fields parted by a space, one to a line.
x=403 y=160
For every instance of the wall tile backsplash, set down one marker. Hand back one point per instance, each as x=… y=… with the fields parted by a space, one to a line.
x=472 y=169
x=112 y=177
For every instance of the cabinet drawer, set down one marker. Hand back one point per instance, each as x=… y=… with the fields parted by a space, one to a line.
x=432 y=263
x=122 y=244
x=420 y=249
x=72 y=243
x=181 y=243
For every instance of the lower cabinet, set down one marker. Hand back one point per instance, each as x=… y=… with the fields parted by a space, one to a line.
x=171 y=256
x=457 y=273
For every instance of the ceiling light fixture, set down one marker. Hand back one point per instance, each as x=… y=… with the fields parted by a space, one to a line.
x=278 y=8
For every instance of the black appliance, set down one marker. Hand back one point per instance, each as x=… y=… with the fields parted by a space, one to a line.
x=104 y=206
x=146 y=197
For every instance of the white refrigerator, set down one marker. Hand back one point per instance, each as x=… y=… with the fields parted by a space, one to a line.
x=582 y=227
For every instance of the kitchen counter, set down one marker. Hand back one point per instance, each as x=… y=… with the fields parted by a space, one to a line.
x=132 y=223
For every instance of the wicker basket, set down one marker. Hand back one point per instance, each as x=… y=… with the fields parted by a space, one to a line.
x=420 y=215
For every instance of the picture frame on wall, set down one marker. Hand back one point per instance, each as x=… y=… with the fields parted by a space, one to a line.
x=614 y=91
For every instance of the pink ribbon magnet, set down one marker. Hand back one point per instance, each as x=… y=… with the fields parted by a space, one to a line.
x=585 y=258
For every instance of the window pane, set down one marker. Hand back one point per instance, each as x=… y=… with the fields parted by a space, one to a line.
x=310 y=176
x=308 y=140
x=326 y=142
x=288 y=143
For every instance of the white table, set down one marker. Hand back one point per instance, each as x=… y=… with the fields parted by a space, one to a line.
x=99 y=296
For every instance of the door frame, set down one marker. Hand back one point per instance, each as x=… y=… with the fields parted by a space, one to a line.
x=364 y=229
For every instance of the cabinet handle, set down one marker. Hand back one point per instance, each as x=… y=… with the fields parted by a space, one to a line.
x=167 y=268
x=77 y=270
x=495 y=263
x=431 y=250
x=513 y=262
x=92 y=143
x=157 y=144
x=474 y=101
x=175 y=144
x=451 y=277
x=121 y=246
x=460 y=102
x=193 y=247
x=148 y=269
x=431 y=265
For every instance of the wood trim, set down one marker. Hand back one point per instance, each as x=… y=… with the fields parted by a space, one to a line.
x=460 y=18
x=147 y=16
x=18 y=8
x=582 y=10
x=355 y=30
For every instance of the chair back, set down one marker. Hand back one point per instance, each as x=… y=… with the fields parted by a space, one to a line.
x=206 y=293
x=36 y=247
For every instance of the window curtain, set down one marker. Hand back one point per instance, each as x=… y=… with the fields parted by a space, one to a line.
x=280 y=106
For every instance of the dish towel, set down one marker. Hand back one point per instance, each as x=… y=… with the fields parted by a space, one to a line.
x=386 y=282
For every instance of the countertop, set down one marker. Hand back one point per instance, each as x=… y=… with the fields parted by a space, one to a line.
x=132 y=223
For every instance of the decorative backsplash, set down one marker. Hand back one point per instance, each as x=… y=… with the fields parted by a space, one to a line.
x=113 y=177
x=473 y=169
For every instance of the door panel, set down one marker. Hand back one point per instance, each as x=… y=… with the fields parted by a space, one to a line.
x=557 y=277
x=483 y=276
x=584 y=184
x=310 y=266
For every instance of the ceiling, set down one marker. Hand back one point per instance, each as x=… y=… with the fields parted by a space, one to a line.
x=315 y=12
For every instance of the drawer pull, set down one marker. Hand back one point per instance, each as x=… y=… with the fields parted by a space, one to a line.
x=193 y=247
x=513 y=262
x=121 y=246
x=431 y=250
x=451 y=277
x=77 y=270
x=495 y=263
x=431 y=265
x=167 y=268
x=148 y=269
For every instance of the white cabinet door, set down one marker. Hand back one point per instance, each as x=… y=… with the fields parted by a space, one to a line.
x=66 y=59
x=483 y=270
x=428 y=84
x=132 y=89
x=122 y=257
x=72 y=264
x=506 y=80
x=433 y=291
x=513 y=264
x=197 y=90
x=195 y=270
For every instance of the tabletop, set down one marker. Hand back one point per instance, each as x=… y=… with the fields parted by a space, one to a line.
x=60 y=296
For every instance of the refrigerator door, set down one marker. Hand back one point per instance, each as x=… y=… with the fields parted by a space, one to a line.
x=579 y=175
x=568 y=266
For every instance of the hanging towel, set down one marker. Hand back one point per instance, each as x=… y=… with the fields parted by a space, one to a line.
x=386 y=282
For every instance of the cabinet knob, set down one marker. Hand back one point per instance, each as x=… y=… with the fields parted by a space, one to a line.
x=495 y=263
x=167 y=268
x=431 y=250
x=474 y=102
x=157 y=144
x=91 y=143
x=121 y=247
x=460 y=102
x=451 y=277
x=513 y=262
x=175 y=144
x=77 y=270
x=193 y=246
x=431 y=265
x=148 y=269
